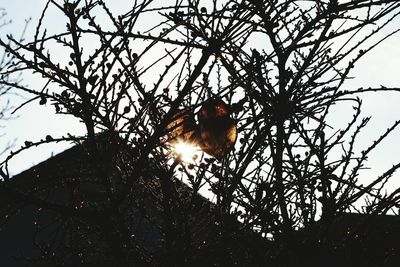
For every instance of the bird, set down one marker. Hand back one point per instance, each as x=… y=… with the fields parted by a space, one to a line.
x=217 y=132
x=182 y=125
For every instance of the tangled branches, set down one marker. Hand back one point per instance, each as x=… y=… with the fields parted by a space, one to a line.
x=279 y=65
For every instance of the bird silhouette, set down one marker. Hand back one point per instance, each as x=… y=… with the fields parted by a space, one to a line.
x=217 y=132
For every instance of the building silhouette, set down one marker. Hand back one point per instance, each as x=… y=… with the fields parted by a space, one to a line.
x=38 y=234
x=34 y=233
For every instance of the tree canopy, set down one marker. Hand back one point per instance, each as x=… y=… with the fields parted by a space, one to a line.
x=249 y=84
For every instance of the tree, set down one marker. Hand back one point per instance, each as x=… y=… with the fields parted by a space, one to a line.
x=282 y=174
x=6 y=61
x=3 y=64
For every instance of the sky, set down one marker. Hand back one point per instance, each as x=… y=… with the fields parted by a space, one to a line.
x=380 y=67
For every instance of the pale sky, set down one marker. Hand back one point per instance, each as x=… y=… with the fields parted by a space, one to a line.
x=380 y=67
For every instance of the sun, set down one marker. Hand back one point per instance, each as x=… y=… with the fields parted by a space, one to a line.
x=185 y=151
